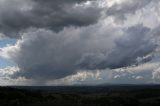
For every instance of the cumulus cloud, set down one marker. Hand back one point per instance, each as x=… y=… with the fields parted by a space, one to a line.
x=133 y=44
x=156 y=75
x=120 y=10
x=129 y=75
x=135 y=74
x=44 y=55
x=8 y=71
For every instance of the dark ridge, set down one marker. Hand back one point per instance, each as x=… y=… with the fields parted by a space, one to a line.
x=106 y=95
x=80 y=88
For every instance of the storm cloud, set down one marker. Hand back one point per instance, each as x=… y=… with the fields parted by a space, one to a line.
x=43 y=54
x=19 y=15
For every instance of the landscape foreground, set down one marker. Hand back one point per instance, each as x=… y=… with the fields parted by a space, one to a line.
x=112 y=95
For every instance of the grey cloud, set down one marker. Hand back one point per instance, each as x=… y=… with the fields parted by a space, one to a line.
x=156 y=75
x=44 y=54
x=119 y=11
x=18 y=15
x=142 y=74
x=133 y=44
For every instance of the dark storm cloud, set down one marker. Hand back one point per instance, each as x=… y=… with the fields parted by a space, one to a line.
x=49 y=55
x=18 y=15
x=133 y=44
x=44 y=54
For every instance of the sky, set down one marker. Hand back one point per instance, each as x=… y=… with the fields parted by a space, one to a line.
x=79 y=42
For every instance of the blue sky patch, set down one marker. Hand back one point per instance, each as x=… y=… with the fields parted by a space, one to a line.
x=4 y=42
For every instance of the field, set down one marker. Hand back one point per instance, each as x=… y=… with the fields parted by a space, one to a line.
x=118 y=95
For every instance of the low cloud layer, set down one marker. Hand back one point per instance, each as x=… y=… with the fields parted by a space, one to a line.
x=60 y=39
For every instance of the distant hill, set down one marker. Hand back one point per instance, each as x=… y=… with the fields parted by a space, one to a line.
x=111 y=95
x=87 y=88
